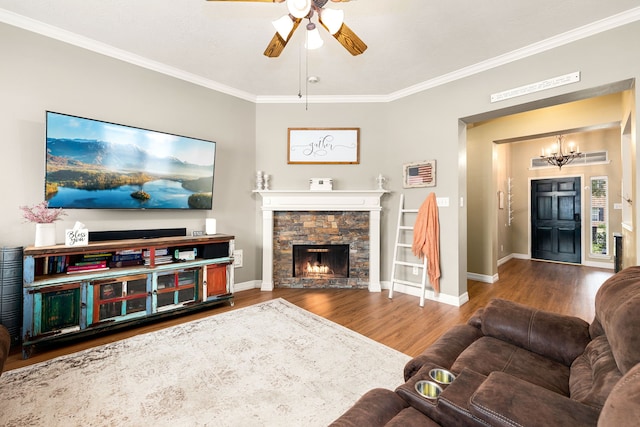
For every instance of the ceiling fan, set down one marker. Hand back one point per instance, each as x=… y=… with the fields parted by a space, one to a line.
x=330 y=19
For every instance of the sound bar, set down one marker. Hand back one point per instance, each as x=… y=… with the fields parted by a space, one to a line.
x=101 y=236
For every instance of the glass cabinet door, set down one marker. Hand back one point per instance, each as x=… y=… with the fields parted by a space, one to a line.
x=187 y=285
x=120 y=297
x=166 y=290
x=136 y=295
x=109 y=300
x=177 y=288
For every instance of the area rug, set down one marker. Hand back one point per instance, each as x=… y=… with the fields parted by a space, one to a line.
x=270 y=364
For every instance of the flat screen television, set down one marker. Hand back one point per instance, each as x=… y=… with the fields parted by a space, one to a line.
x=95 y=164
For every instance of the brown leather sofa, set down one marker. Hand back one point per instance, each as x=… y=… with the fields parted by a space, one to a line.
x=5 y=344
x=518 y=366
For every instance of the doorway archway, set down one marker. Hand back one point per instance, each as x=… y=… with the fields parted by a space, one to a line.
x=487 y=171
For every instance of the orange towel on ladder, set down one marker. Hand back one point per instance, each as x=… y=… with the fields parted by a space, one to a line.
x=426 y=239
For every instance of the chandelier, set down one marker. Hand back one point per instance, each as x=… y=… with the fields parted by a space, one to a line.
x=557 y=156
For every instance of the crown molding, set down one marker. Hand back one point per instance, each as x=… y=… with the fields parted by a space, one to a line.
x=56 y=33
x=627 y=17
x=579 y=33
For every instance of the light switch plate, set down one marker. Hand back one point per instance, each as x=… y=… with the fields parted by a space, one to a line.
x=443 y=202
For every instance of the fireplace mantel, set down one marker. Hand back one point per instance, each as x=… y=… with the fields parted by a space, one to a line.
x=307 y=200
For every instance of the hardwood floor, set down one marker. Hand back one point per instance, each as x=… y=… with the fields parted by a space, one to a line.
x=399 y=323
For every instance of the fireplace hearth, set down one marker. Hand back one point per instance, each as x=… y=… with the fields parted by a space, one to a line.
x=321 y=261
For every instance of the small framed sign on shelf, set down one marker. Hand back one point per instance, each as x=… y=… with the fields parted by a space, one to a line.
x=323 y=146
x=419 y=174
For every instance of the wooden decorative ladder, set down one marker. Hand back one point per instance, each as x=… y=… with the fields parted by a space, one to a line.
x=403 y=258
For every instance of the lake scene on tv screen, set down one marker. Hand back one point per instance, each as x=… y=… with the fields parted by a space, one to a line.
x=96 y=164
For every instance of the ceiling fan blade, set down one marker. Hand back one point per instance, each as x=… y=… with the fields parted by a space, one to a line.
x=349 y=40
x=277 y=43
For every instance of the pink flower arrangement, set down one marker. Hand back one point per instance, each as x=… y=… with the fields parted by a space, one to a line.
x=41 y=213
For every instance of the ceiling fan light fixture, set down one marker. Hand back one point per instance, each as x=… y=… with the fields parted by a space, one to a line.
x=299 y=8
x=332 y=19
x=314 y=41
x=283 y=26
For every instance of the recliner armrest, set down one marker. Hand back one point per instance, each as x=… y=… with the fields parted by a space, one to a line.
x=375 y=408
x=504 y=400
x=557 y=336
x=445 y=350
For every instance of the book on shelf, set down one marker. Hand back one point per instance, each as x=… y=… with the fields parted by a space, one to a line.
x=94 y=262
x=53 y=265
x=158 y=252
x=165 y=259
x=126 y=263
x=99 y=255
x=86 y=270
x=129 y=252
x=87 y=267
x=126 y=257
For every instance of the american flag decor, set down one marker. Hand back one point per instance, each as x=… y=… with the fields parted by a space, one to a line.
x=420 y=174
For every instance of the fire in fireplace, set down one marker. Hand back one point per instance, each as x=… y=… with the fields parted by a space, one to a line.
x=321 y=261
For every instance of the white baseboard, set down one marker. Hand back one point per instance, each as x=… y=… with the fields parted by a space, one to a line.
x=505 y=259
x=430 y=295
x=608 y=265
x=597 y=264
x=484 y=278
x=245 y=286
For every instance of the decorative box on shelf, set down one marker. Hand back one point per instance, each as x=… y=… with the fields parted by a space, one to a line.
x=76 y=236
x=321 y=184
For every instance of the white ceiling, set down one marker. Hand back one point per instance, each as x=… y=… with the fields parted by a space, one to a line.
x=413 y=44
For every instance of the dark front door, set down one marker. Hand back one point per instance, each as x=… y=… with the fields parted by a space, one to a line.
x=555 y=219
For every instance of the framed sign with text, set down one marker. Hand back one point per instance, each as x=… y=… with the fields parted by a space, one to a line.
x=323 y=146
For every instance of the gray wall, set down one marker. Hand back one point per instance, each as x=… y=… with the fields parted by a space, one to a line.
x=39 y=74
x=429 y=125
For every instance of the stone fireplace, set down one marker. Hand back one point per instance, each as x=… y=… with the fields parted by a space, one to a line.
x=316 y=228
x=323 y=233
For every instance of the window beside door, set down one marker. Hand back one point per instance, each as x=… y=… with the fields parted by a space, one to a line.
x=599 y=216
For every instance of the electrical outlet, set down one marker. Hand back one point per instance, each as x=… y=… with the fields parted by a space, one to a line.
x=237 y=258
x=416 y=271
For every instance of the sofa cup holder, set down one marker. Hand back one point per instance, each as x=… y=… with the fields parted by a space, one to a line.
x=441 y=376
x=428 y=389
